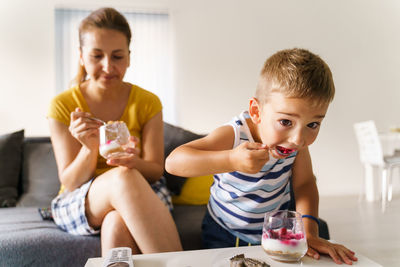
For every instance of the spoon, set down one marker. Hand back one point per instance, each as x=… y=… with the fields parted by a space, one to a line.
x=96 y=119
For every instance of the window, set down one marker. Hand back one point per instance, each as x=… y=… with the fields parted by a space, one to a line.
x=151 y=57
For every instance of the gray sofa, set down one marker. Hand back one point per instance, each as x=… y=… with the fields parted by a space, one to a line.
x=28 y=179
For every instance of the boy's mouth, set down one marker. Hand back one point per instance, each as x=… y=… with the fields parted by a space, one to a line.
x=284 y=151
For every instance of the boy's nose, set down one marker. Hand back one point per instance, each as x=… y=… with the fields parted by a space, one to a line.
x=297 y=138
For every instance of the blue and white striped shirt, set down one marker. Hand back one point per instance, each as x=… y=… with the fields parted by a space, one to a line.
x=239 y=200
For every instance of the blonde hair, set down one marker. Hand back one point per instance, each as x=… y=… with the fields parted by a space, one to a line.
x=296 y=73
x=103 y=18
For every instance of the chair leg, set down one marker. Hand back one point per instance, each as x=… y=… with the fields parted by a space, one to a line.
x=384 y=188
x=390 y=185
x=369 y=183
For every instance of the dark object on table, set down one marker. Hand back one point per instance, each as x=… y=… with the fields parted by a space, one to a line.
x=237 y=261
x=241 y=261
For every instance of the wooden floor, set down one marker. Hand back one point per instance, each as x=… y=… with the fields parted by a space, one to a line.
x=362 y=227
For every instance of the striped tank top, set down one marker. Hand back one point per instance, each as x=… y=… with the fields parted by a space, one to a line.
x=238 y=201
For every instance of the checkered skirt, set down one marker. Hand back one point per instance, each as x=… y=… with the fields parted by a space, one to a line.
x=68 y=208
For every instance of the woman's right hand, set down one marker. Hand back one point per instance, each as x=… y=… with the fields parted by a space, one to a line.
x=249 y=157
x=85 y=130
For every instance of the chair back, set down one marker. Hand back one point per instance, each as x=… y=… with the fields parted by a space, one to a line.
x=368 y=142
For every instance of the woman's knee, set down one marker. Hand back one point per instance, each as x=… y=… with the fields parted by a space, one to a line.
x=128 y=181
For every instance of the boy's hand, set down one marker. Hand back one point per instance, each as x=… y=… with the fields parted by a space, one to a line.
x=249 y=157
x=337 y=252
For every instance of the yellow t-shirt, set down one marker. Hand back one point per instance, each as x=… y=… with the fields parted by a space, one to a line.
x=142 y=106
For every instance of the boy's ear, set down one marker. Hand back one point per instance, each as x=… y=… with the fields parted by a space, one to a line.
x=254 y=110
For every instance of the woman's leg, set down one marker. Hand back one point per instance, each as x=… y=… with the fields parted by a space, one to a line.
x=114 y=233
x=145 y=215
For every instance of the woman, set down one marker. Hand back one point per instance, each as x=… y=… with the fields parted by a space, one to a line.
x=123 y=198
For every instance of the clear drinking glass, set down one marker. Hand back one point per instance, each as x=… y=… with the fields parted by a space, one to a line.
x=283 y=237
x=114 y=138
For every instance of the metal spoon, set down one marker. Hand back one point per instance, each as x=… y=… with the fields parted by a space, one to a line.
x=96 y=119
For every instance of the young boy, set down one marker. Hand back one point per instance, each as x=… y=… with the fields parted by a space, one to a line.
x=256 y=156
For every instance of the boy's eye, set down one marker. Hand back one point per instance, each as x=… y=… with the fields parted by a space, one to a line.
x=313 y=125
x=285 y=122
x=118 y=57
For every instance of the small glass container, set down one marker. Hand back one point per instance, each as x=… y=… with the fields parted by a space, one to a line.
x=284 y=238
x=114 y=138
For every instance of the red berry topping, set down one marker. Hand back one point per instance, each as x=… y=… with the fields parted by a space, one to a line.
x=283 y=231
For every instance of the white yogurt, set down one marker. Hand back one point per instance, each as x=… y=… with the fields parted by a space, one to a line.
x=290 y=246
x=106 y=150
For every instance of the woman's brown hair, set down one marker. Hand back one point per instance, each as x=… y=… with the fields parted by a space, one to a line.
x=103 y=18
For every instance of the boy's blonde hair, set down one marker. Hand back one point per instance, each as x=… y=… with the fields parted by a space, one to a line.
x=296 y=73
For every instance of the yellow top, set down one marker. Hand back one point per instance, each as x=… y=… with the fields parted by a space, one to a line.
x=142 y=106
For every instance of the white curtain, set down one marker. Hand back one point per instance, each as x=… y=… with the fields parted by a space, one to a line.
x=151 y=53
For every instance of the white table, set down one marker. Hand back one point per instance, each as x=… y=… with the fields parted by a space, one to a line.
x=220 y=258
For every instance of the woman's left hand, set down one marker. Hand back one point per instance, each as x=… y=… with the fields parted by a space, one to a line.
x=129 y=161
x=337 y=252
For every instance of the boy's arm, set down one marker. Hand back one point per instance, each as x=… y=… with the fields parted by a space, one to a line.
x=207 y=155
x=305 y=190
x=307 y=201
x=214 y=153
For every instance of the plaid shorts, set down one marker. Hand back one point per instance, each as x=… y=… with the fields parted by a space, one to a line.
x=68 y=208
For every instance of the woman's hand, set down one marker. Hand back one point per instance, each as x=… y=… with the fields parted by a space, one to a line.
x=129 y=161
x=85 y=130
x=337 y=252
x=249 y=157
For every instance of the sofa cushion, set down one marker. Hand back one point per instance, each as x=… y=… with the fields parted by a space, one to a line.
x=195 y=191
x=173 y=137
x=40 y=183
x=27 y=240
x=10 y=166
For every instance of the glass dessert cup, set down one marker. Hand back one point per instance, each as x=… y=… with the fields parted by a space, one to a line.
x=283 y=237
x=114 y=138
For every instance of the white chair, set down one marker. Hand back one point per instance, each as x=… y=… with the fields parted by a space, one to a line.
x=371 y=155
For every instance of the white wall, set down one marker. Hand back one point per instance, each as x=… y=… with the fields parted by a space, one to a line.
x=26 y=64
x=220 y=46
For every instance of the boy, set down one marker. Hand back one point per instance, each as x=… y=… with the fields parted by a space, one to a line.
x=258 y=154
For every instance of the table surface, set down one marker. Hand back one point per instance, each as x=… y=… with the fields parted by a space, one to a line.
x=220 y=258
